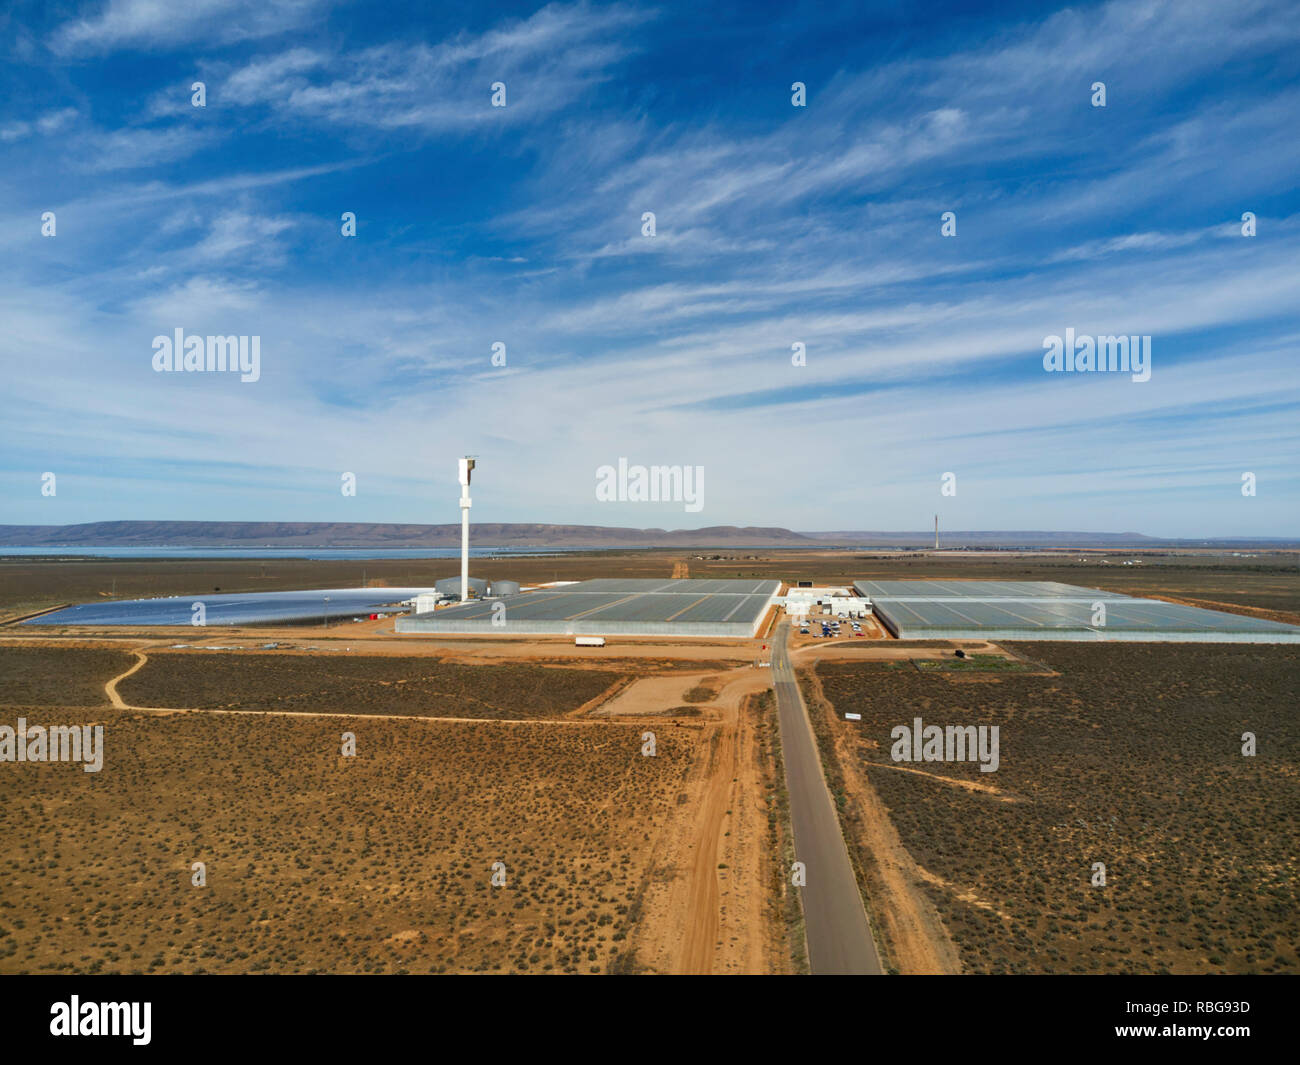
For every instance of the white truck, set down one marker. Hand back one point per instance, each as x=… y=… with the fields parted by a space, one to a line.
x=589 y=641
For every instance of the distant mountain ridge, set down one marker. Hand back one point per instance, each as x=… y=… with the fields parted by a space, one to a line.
x=248 y=534
x=373 y=534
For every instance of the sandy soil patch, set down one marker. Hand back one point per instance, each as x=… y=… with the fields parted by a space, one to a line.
x=712 y=916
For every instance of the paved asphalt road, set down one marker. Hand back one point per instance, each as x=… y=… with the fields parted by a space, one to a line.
x=839 y=938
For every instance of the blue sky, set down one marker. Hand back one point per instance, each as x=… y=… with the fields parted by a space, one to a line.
x=775 y=224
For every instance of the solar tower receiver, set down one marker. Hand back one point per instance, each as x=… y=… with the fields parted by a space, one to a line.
x=466 y=468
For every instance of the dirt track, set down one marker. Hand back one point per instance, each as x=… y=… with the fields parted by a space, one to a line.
x=711 y=917
x=702 y=908
x=724 y=911
x=308 y=641
x=968 y=785
x=110 y=686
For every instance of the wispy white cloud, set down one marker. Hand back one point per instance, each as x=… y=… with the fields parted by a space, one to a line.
x=149 y=25
x=269 y=78
x=46 y=124
x=238 y=231
x=139 y=148
x=545 y=61
x=774 y=226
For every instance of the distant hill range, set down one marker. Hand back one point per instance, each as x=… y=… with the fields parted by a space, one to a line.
x=370 y=534
x=197 y=534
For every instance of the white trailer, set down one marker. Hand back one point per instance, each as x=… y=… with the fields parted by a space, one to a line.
x=589 y=641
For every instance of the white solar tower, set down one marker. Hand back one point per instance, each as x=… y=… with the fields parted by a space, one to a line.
x=466 y=468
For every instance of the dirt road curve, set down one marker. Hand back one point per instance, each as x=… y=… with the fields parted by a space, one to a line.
x=110 y=687
x=839 y=937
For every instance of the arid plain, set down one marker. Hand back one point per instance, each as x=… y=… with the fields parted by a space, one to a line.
x=500 y=815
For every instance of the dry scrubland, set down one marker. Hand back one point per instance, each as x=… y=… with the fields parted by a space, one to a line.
x=43 y=675
x=1131 y=756
x=378 y=863
x=325 y=683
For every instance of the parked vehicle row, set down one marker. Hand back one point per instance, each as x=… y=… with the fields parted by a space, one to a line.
x=830 y=627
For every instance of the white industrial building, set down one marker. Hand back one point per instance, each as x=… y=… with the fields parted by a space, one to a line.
x=838 y=602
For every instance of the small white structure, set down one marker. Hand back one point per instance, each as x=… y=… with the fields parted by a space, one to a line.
x=589 y=641
x=423 y=603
